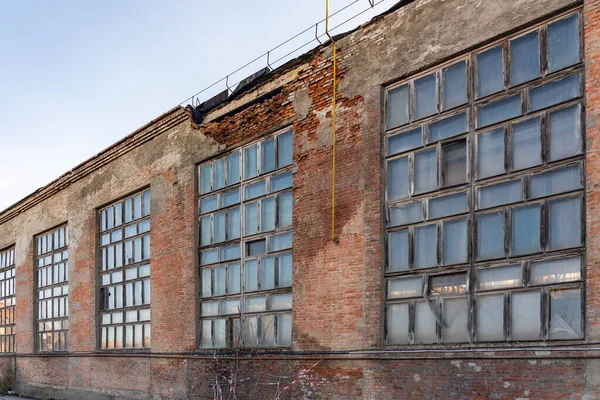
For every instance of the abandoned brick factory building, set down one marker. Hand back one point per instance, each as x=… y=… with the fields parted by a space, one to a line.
x=461 y=257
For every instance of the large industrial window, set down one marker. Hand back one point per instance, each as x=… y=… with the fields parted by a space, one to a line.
x=485 y=194
x=52 y=273
x=245 y=216
x=125 y=273
x=7 y=300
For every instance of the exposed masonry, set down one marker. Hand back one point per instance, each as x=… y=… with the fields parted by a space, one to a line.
x=339 y=295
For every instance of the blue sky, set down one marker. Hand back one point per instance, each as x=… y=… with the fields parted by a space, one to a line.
x=76 y=76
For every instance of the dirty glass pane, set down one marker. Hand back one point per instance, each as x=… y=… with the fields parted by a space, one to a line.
x=526 y=144
x=425 y=96
x=209 y=308
x=455 y=241
x=284 y=263
x=267 y=327
x=220 y=333
x=397 y=112
x=490 y=318
x=251 y=275
x=397 y=323
x=267 y=214
x=563 y=43
x=233 y=168
x=405 y=287
x=490 y=153
x=406 y=214
x=209 y=257
x=490 y=235
x=555 y=271
x=455 y=320
x=255 y=190
x=565 y=223
x=398 y=251
x=233 y=223
x=501 y=193
x=500 y=110
x=267 y=148
x=250 y=219
x=524 y=58
x=425 y=171
x=220 y=280
x=206 y=282
x=267 y=278
x=284 y=149
x=204 y=183
x=209 y=204
x=526 y=229
x=425 y=323
x=454 y=159
x=219 y=220
x=284 y=329
x=397 y=178
x=425 y=246
x=284 y=209
x=281 y=181
x=448 y=205
x=565 y=314
x=280 y=242
x=205 y=341
x=454 y=80
x=565 y=133
x=448 y=127
x=230 y=198
x=230 y=252
x=554 y=92
x=251 y=331
x=554 y=182
x=490 y=77
x=205 y=231
x=254 y=304
x=282 y=301
x=250 y=162
x=219 y=173
x=526 y=316
x=233 y=278
x=404 y=141
x=499 y=277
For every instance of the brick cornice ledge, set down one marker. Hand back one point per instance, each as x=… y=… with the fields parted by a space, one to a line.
x=130 y=142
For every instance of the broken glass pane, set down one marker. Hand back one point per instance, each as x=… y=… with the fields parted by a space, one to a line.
x=565 y=314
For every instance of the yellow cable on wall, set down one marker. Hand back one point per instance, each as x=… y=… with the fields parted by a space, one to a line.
x=334 y=121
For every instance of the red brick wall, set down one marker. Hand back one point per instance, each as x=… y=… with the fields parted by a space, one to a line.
x=338 y=287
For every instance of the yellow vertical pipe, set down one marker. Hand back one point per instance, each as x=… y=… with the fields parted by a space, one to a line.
x=334 y=121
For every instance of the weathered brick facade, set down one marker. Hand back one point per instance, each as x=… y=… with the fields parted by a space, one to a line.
x=338 y=288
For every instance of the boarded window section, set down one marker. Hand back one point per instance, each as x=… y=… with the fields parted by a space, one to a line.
x=245 y=250
x=7 y=301
x=484 y=164
x=125 y=274
x=52 y=273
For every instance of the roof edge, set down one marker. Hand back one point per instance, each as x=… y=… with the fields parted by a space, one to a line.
x=145 y=133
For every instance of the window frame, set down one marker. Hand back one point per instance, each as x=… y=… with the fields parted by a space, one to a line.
x=8 y=253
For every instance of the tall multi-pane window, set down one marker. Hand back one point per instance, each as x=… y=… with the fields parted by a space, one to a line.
x=52 y=273
x=245 y=217
x=125 y=273
x=7 y=300
x=484 y=192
